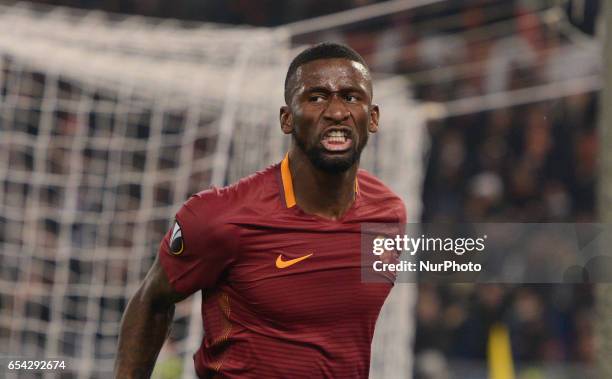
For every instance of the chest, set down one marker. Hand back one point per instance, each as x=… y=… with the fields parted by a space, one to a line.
x=292 y=276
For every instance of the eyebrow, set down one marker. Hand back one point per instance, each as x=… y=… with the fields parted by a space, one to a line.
x=326 y=90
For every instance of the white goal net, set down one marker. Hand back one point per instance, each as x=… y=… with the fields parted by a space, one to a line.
x=107 y=124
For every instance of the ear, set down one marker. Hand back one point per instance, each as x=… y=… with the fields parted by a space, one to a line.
x=374 y=117
x=286 y=120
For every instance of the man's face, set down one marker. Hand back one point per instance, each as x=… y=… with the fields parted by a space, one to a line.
x=330 y=112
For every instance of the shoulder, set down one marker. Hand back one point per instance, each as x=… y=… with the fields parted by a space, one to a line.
x=377 y=196
x=374 y=189
x=224 y=201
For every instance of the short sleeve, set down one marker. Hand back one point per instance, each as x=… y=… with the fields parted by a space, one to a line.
x=199 y=247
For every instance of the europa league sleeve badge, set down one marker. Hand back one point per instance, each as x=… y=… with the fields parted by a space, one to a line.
x=176 y=245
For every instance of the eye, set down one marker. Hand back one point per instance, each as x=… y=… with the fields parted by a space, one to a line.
x=351 y=98
x=316 y=98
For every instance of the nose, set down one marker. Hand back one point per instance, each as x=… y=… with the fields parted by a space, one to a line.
x=336 y=111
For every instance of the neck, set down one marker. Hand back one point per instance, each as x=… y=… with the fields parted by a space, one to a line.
x=321 y=193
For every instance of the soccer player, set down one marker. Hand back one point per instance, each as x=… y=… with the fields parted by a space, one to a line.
x=277 y=255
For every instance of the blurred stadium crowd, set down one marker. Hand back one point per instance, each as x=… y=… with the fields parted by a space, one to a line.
x=534 y=162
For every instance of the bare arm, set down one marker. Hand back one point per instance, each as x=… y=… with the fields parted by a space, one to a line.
x=145 y=325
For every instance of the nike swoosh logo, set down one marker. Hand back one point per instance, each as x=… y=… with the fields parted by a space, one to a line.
x=280 y=263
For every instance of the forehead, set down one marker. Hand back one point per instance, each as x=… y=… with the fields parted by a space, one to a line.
x=335 y=73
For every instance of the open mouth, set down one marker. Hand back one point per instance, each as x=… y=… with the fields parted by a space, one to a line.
x=337 y=140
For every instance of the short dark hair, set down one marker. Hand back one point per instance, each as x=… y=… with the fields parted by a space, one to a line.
x=323 y=50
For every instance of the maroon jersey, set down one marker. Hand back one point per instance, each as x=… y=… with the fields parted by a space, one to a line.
x=282 y=295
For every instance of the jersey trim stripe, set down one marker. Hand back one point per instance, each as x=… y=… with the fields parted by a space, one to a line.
x=287 y=182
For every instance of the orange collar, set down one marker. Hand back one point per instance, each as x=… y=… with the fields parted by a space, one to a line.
x=288 y=183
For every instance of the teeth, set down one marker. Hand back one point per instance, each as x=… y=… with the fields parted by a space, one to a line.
x=336 y=133
x=336 y=136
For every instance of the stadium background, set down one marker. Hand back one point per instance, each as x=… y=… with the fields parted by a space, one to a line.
x=504 y=93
